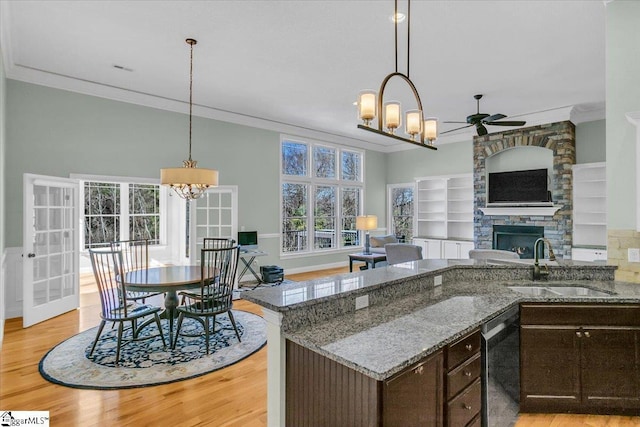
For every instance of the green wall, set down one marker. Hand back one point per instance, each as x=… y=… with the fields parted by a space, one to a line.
x=623 y=96
x=405 y=166
x=56 y=132
x=454 y=158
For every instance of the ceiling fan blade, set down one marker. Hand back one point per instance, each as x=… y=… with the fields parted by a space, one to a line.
x=481 y=129
x=494 y=117
x=454 y=122
x=453 y=130
x=508 y=123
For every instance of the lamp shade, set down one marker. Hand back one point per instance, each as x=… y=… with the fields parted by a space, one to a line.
x=413 y=122
x=367 y=105
x=430 y=128
x=189 y=182
x=392 y=118
x=366 y=222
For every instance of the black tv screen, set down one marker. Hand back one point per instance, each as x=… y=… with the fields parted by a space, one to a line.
x=525 y=186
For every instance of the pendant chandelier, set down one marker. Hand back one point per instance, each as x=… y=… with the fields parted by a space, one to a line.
x=189 y=182
x=422 y=132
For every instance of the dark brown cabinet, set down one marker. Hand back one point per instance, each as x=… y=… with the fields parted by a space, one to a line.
x=580 y=358
x=463 y=387
x=415 y=396
x=323 y=392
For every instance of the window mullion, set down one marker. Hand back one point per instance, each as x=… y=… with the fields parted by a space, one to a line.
x=124 y=211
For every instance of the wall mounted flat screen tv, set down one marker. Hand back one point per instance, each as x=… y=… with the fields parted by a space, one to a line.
x=519 y=187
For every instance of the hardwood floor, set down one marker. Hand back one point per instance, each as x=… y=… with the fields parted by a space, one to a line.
x=234 y=396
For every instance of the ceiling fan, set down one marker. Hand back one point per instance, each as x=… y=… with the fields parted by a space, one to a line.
x=480 y=119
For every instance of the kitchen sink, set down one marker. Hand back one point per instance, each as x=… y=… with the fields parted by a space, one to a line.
x=578 y=291
x=550 y=291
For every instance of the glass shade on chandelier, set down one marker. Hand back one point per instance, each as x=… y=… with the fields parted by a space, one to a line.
x=367 y=106
x=430 y=129
x=189 y=182
x=413 y=122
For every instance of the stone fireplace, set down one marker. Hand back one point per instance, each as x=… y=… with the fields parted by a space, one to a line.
x=557 y=224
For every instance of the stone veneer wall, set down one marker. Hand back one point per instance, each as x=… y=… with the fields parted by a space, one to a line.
x=618 y=242
x=558 y=137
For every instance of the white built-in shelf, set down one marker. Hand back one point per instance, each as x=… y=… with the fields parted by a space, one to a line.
x=444 y=208
x=589 y=205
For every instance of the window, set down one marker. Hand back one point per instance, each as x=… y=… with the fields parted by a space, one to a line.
x=401 y=210
x=119 y=211
x=321 y=191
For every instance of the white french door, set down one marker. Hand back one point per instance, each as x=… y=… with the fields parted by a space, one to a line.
x=50 y=247
x=215 y=214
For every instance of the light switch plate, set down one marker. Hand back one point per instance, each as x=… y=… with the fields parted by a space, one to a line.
x=437 y=281
x=633 y=254
x=362 y=302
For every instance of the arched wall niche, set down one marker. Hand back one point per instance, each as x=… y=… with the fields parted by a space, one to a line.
x=559 y=140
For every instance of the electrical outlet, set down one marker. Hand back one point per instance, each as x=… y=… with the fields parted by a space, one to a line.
x=362 y=302
x=633 y=254
x=437 y=281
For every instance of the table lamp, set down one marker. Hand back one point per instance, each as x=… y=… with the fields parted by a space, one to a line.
x=366 y=223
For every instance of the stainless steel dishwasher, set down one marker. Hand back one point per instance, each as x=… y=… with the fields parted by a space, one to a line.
x=501 y=369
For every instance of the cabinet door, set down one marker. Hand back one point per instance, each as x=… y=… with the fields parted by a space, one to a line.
x=450 y=249
x=432 y=249
x=415 y=396
x=465 y=247
x=610 y=368
x=550 y=368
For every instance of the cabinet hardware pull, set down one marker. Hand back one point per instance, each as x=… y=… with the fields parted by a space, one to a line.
x=587 y=334
x=579 y=334
x=467 y=407
x=469 y=347
x=419 y=370
x=467 y=373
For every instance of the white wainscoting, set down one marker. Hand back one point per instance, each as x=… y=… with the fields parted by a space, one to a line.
x=13 y=282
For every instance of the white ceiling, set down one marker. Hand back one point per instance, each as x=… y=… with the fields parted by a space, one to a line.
x=297 y=66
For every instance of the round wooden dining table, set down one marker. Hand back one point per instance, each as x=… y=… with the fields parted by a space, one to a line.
x=169 y=280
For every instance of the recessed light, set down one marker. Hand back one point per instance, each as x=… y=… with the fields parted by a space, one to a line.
x=398 y=17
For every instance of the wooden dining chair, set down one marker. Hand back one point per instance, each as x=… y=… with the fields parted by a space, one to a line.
x=135 y=256
x=218 y=274
x=107 y=269
x=209 y=243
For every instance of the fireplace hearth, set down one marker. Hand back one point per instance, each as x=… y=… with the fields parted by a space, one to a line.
x=517 y=238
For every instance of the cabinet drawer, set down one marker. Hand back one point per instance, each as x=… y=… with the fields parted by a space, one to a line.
x=580 y=314
x=463 y=375
x=476 y=422
x=463 y=349
x=465 y=407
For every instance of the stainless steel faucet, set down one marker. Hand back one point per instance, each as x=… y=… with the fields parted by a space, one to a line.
x=537 y=273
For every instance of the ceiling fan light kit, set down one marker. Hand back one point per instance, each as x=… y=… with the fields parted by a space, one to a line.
x=422 y=132
x=480 y=119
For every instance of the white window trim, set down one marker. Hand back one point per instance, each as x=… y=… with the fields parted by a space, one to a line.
x=312 y=182
x=124 y=217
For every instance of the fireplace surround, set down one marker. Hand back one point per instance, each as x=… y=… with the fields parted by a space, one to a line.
x=518 y=238
x=558 y=227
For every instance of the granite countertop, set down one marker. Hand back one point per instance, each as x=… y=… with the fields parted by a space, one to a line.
x=383 y=339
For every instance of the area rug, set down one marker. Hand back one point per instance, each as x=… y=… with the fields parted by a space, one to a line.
x=145 y=363
x=251 y=285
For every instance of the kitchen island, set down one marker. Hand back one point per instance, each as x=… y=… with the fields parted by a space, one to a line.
x=413 y=311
